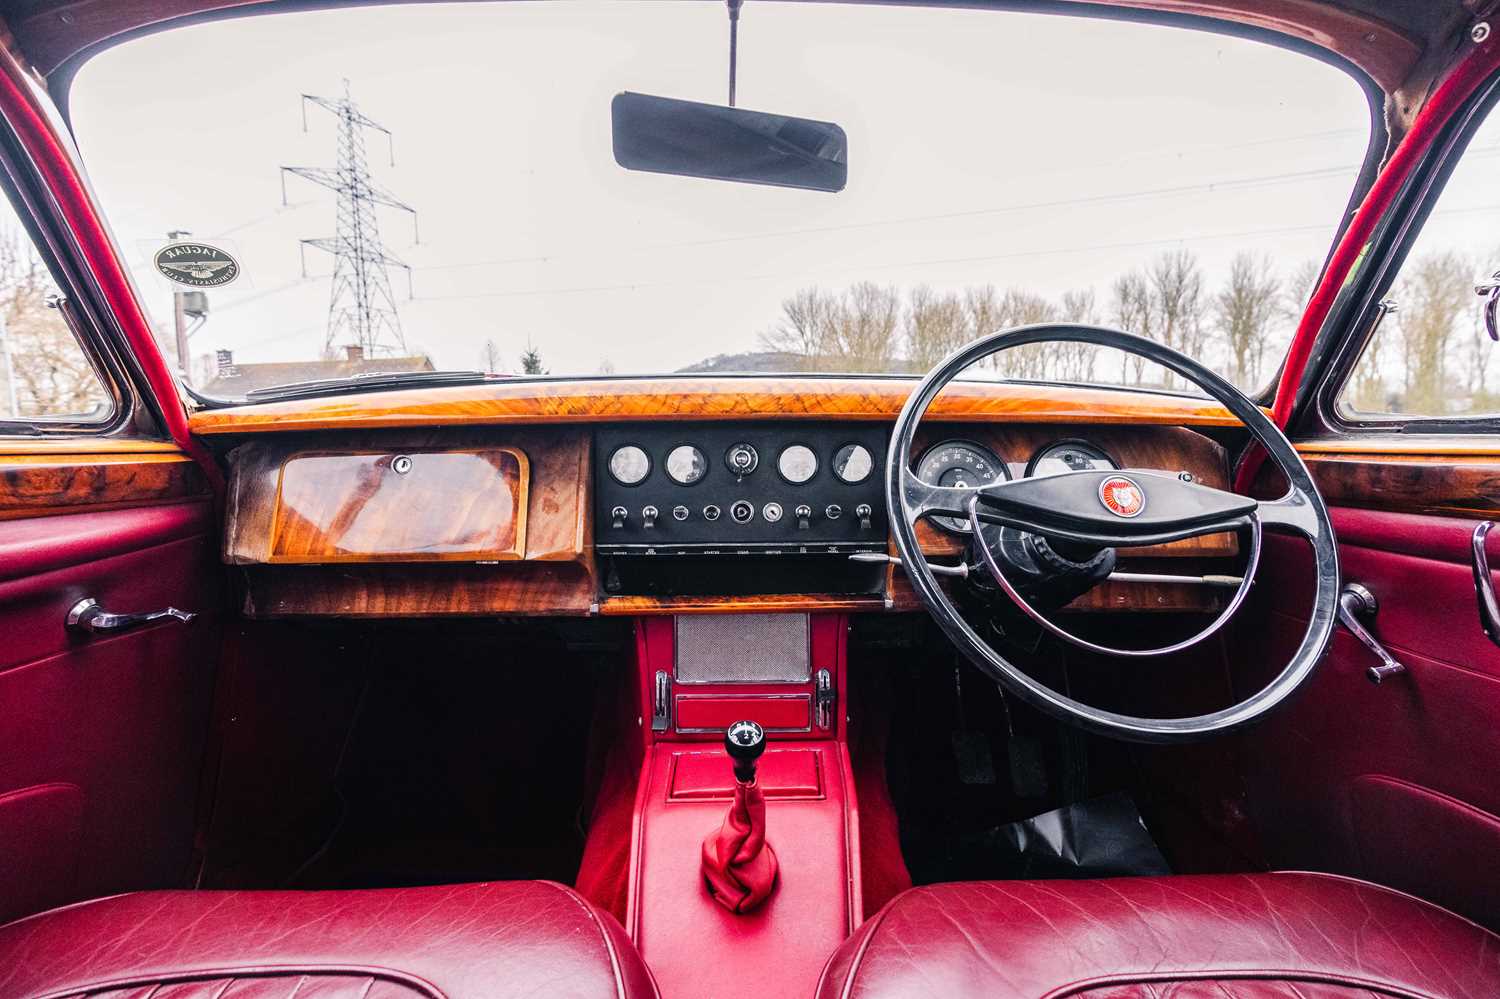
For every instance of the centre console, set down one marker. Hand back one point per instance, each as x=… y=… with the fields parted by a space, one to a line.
x=698 y=676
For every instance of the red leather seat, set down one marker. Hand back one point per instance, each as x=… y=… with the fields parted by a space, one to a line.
x=521 y=938
x=1297 y=936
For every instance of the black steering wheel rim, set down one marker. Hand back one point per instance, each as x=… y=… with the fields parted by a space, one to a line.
x=1302 y=508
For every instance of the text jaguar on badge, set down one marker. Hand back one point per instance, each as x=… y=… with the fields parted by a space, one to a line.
x=196 y=265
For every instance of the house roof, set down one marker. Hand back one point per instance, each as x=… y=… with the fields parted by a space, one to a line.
x=245 y=378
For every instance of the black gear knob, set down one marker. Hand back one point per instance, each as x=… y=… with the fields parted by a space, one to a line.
x=744 y=741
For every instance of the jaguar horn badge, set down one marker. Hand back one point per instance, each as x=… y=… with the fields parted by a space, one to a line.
x=1121 y=496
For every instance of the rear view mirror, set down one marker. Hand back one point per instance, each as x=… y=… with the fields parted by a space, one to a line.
x=663 y=135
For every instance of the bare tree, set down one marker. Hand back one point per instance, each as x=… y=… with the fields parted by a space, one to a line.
x=1434 y=292
x=1245 y=314
x=1075 y=362
x=935 y=326
x=866 y=325
x=489 y=357
x=1131 y=311
x=804 y=328
x=47 y=367
x=1177 y=297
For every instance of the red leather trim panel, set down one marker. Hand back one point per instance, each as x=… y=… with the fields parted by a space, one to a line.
x=481 y=941
x=102 y=738
x=775 y=713
x=698 y=949
x=1143 y=936
x=1393 y=783
x=43 y=544
x=783 y=773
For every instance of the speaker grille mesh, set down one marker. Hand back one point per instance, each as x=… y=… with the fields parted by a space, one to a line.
x=742 y=648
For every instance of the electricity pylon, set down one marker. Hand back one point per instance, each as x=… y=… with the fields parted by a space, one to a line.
x=361 y=308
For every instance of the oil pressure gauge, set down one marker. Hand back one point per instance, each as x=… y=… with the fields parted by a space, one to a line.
x=962 y=464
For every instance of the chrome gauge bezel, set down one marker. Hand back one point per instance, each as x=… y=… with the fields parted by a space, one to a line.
x=834 y=465
x=667 y=464
x=956 y=525
x=812 y=453
x=1077 y=443
x=609 y=465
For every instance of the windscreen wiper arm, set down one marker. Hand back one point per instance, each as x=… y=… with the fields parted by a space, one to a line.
x=368 y=381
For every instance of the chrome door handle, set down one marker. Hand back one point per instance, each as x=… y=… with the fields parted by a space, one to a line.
x=1484 y=590
x=1356 y=601
x=88 y=617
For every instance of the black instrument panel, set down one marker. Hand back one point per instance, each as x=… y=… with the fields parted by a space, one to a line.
x=732 y=488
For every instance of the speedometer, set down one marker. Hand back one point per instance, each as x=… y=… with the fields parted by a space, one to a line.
x=963 y=464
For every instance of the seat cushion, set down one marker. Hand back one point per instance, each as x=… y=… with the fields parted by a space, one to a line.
x=1298 y=936
x=520 y=938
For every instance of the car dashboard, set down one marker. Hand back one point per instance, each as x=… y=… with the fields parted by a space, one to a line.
x=588 y=499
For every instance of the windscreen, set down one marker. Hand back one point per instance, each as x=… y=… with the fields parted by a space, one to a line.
x=391 y=190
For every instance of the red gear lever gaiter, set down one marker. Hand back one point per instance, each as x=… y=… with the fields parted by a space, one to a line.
x=738 y=864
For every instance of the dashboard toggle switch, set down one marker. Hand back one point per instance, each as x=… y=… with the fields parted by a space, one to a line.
x=648 y=517
x=617 y=517
x=863 y=512
x=803 y=514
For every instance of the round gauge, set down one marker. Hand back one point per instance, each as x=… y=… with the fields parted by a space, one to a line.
x=629 y=465
x=686 y=465
x=963 y=464
x=1069 y=456
x=853 y=463
x=797 y=463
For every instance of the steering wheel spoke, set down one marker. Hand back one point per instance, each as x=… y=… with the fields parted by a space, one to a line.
x=1294 y=513
x=922 y=499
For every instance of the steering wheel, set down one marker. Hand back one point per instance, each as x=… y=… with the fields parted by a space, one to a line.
x=1112 y=508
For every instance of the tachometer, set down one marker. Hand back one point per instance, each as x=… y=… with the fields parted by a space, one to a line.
x=959 y=463
x=1068 y=456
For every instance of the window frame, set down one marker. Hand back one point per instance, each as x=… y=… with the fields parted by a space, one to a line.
x=1388 y=249
x=92 y=326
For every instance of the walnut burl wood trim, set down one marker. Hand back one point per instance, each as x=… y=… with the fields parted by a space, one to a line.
x=529 y=589
x=789 y=397
x=39 y=485
x=401 y=506
x=770 y=603
x=453 y=506
x=1436 y=484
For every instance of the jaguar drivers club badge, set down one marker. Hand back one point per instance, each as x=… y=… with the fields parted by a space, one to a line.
x=196 y=265
x=1121 y=496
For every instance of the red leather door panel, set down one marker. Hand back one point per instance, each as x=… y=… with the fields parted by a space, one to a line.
x=1394 y=783
x=101 y=742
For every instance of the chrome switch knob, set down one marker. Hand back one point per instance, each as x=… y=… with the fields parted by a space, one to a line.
x=648 y=517
x=617 y=517
x=803 y=514
x=742 y=459
x=863 y=512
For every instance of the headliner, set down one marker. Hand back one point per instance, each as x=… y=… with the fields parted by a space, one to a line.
x=1389 y=39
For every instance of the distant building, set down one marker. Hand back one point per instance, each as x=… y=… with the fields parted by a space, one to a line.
x=233 y=381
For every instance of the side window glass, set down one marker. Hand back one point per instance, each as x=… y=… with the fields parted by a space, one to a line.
x=1432 y=356
x=45 y=375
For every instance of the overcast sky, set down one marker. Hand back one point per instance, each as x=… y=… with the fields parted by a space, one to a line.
x=1044 y=152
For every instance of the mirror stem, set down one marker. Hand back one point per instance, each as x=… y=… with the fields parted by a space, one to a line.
x=734 y=43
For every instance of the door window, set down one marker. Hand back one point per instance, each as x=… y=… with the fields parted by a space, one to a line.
x=1431 y=356
x=46 y=377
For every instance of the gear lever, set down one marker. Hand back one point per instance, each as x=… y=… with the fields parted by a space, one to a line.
x=739 y=866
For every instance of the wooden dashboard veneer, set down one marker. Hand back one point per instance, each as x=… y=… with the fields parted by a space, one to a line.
x=421 y=506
